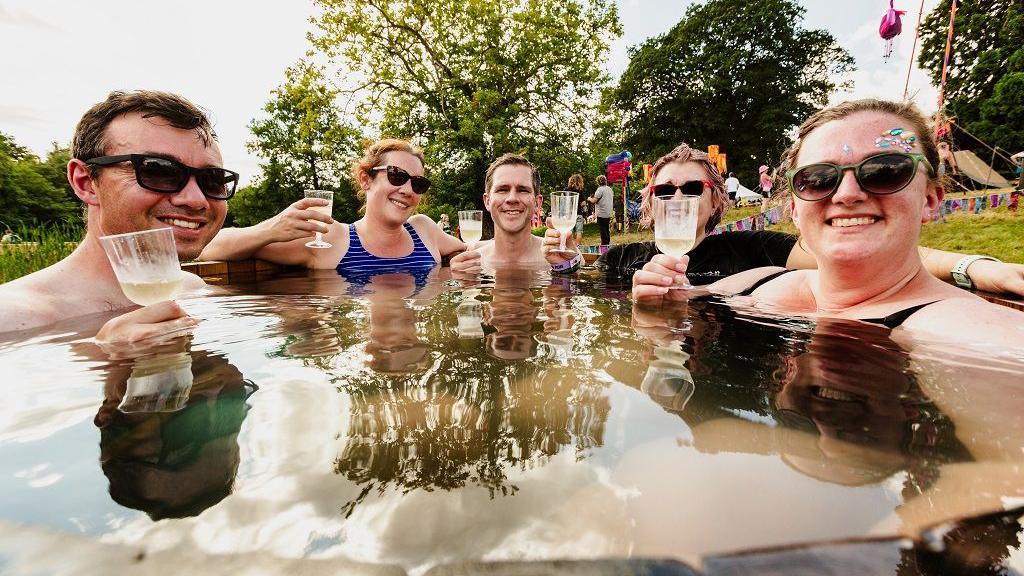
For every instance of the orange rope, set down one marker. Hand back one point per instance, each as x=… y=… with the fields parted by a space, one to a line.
x=945 y=61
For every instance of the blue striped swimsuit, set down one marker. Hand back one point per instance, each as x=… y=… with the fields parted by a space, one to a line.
x=358 y=263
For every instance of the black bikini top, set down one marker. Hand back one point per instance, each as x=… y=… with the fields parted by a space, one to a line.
x=891 y=321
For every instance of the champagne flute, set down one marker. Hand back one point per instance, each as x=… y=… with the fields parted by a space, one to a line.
x=471 y=226
x=323 y=195
x=563 y=214
x=675 y=227
x=146 y=264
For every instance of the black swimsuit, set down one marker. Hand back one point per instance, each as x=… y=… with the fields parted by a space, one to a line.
x=891 y=321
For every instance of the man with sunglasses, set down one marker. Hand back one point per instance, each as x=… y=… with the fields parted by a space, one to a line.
x=140 y=161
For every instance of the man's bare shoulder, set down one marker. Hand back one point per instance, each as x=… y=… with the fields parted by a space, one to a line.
x=29 y=302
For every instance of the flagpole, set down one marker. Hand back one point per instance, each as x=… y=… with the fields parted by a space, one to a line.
x=913 y=49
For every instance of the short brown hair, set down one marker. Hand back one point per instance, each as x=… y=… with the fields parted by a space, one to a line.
x=373 y=155
x=682 y=154
x=601 y=180
x=575 y=183
x=509 y=159
x=89 y=140
x=906 y=110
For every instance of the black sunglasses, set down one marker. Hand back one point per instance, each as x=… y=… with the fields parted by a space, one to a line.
x=398 y=177
x=169 y=176
x=691 y=188
x=886 y=173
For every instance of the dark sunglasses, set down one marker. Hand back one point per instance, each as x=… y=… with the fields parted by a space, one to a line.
x=886 y=173
x=398 y=177
x=169 y=176
x=691 y=188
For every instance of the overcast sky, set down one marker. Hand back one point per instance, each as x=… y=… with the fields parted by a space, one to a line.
x=61 y=57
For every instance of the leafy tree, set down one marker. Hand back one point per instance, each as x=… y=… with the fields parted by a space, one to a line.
x=472 y=79
x=34 y=192
x=304 y=144
x=986 y=68
x=738 y=73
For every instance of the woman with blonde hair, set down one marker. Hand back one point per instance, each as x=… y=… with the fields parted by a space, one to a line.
x=390 y=237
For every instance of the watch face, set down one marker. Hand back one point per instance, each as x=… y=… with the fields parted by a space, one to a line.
x=962 y=280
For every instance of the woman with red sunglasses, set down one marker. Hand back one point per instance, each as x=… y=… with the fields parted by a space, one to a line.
x=863 y=179
x=390 y=237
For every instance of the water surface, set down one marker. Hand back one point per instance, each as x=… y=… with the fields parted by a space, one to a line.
x=414 y=422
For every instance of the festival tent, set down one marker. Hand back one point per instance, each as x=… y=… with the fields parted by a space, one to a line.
x=976 y=169
x=744 y=194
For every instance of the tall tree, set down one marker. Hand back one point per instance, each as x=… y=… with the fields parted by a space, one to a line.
x=34 y=192
x=737 y=73
x=986 y=67
x=471 y=79
x=304 y=144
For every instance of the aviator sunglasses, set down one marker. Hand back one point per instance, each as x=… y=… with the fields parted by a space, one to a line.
x=880 y=174
x=691 y=188
x=398 y=177
x=169 y=176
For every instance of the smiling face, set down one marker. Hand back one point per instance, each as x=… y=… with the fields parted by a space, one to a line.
x=384 y=200
x=679 y=173
x=853 y=225
x=511 y=199
x=122 y=206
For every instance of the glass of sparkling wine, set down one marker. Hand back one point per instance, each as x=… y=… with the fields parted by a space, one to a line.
x=675 y=227
x=563 y=214
x=323 y=195
x=471 y=226
x=146 y=264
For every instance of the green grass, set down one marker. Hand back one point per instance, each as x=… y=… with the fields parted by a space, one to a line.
x=997 y=232
x=42 y=246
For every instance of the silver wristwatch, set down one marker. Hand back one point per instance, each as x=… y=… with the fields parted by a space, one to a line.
x=959 y=271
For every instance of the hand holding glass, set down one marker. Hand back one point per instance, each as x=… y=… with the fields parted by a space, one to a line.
x=323 y=195
x=563 y=214
x=146 y=264
x=471 y=226
x=675 y=227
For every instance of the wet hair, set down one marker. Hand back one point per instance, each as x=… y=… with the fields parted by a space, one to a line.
x=373 y=155
x=90 y=141
x=916 y=123
x=682 y=154
x=575 y=183
x=509 y=159
x=601 y=180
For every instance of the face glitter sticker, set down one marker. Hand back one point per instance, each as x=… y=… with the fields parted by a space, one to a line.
x=896 y=138
x=846 y=148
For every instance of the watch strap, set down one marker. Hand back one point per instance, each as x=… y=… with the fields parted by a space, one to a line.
x=959 y=271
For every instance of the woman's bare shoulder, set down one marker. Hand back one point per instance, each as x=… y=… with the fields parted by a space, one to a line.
x=971 y=319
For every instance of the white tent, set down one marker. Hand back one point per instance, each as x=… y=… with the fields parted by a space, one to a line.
x=744 y=194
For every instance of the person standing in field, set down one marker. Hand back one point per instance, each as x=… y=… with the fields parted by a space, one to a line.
x=766 y=181
x=602 y=201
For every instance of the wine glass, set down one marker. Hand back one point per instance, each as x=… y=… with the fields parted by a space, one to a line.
x=323 y=195
x=675 y=227
x=563 y=214
x=471 y=226
x=146 y=264
x=159 y=383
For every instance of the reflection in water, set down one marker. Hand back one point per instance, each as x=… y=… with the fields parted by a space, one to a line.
x=173 y=452
x=468 y=420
